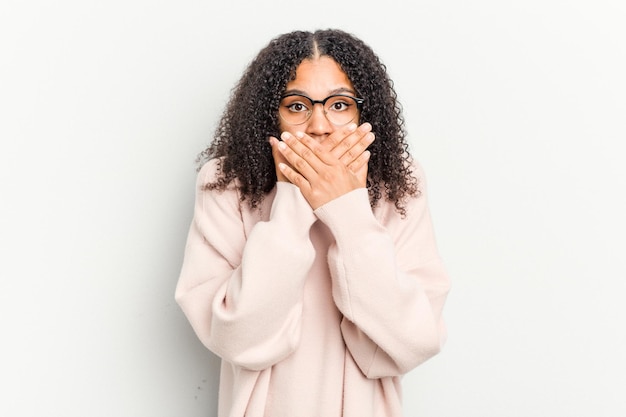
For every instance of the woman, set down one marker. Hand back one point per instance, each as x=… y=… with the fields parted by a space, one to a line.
x=311 y=267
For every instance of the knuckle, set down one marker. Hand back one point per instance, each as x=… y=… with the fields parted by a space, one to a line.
x=296 y=180
x=299 y=164
x=306 y=153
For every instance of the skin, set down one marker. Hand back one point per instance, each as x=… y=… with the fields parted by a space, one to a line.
x=323 y=160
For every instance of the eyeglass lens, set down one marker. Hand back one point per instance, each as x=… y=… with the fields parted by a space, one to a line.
x=339 y=109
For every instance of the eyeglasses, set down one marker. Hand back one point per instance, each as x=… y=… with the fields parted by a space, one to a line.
x=339 y=109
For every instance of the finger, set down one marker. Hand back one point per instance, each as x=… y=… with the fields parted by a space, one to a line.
x=357 y=149
x=350 y=140
x=359 y=162
x=278 y=158
x=322 y=158
x=336 y=137
x=294 y=177
x=300 y=157
x=359 y=168
x=308 y=142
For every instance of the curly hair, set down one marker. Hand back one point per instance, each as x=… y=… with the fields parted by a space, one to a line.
x=251 y=116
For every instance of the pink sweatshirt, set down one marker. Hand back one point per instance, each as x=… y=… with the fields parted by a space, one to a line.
x=313 y=313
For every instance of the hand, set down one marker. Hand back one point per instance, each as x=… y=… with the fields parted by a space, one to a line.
x=349 y=143
x=278 y=159
x=327 y=170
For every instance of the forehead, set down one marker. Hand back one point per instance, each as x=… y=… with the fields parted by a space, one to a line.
x=319 y=77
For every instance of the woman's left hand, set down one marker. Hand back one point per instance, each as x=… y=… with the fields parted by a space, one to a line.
x=325 y=171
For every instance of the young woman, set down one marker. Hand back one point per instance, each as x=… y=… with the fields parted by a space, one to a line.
x=311 y=267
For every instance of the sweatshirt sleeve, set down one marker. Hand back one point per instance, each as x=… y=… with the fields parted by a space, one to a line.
x=388 y=282
x=243 y=294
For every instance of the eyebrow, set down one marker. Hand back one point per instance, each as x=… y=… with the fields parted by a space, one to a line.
x=339 y=90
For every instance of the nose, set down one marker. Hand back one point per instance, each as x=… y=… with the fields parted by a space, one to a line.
x=318 y=126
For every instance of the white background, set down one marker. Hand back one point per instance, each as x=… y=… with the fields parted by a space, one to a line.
x=516 y=109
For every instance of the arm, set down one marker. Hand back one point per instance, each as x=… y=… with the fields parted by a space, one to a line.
x=243 y=294
x=388 y=281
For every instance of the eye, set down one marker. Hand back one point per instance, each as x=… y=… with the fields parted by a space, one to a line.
x=339 y=106
x=297 y=107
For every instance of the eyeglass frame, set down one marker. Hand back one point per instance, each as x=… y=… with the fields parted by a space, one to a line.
x=359 y=106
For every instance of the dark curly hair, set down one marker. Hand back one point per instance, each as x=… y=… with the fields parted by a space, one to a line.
x=251 y=116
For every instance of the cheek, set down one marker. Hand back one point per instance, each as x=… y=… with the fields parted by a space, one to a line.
x=292 y=129
x=284 y=127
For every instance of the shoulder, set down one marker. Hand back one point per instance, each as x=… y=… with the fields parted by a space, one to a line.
x=211 y=173
x=413 y=202
x=418 y=173
x=213 y=195
x=211 y=190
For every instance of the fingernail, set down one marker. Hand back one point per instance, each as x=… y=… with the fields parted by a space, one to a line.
x=299 y=135
x=351 y=127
